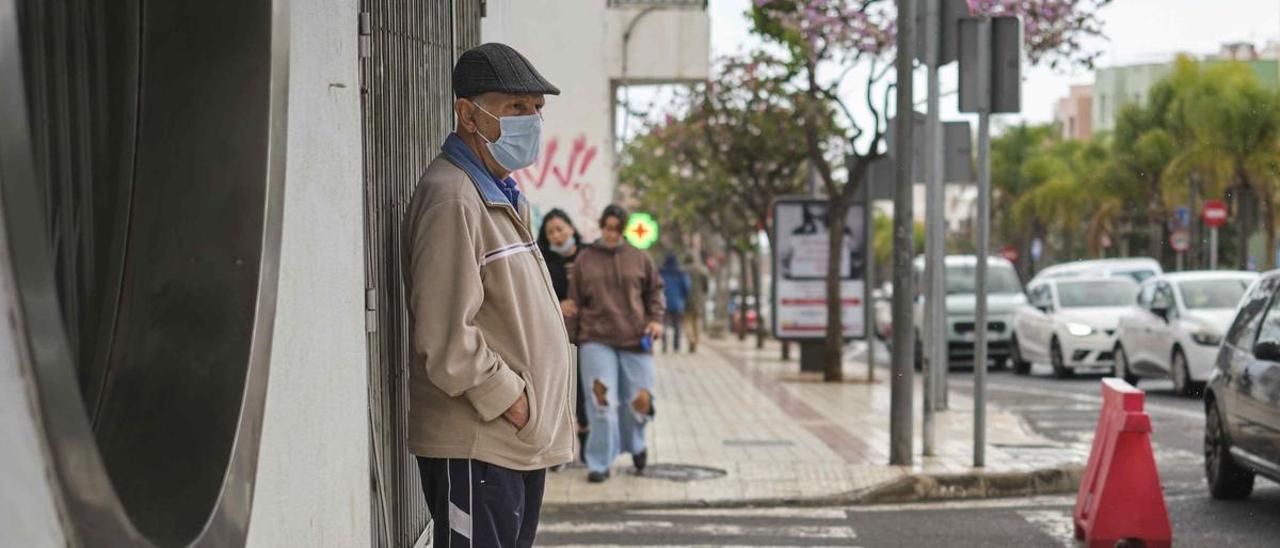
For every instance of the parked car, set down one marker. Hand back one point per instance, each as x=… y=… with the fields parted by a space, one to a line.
x=882 y=306
x=1175 y=326
x=735 y=316
x=1071 y=323
x=1004 y=298
x=1242 y=399
x=1137 y=269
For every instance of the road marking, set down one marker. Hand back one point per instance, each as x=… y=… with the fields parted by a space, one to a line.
x=828 y=532
x=1057 y=500
x=716 y=545
x=810 y=513
x=1163 y=410
x=1055 y=523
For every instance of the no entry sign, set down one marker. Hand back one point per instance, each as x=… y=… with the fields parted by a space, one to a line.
x=1180 y=240
x=1215 y=213
x=1010 y=252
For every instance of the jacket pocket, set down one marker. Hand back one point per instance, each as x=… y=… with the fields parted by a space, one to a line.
x=527 y=434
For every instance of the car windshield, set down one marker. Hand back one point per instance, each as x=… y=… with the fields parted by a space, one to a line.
x=1201 y=294
x=1001 y=280
x=1096 y=293
x=1135 y=275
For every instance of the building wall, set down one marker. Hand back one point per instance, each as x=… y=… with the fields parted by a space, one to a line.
x=1115 y=87
x=577 y=45
x=313 y=469
x=1074 y=113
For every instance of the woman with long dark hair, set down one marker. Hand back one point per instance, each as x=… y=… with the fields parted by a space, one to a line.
x=559 y=242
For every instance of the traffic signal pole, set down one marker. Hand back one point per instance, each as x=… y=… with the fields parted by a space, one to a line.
x=934 y=328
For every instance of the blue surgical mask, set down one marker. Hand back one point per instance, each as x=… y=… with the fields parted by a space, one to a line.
x=520 y=142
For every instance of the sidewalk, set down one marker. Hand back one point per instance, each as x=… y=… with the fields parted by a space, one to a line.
x=783 y=436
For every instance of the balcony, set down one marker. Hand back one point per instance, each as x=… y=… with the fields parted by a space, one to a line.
x=689 y=4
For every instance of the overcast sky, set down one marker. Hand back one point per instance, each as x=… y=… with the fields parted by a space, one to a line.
x=1137 y=31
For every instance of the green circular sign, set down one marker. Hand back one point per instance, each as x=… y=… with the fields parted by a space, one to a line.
x=642 y=230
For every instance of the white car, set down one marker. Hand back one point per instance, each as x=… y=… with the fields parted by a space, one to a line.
x=1135 y=268
x=1004 y=299
x=1174 y=328
x=1070 y=323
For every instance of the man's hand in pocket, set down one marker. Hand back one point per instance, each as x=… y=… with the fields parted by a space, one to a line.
x=518 y=414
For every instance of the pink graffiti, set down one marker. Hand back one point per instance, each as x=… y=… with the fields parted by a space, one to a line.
x=567 y=172
x=563 y=172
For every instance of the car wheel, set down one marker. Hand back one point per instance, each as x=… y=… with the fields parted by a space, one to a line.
x=1122 y=366
x=1227 y=479
x=1020 y=365
x=1182 y=383
x=1060 y=368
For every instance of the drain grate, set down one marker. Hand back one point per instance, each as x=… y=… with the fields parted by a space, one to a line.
x=758 y=443
x=682 y=472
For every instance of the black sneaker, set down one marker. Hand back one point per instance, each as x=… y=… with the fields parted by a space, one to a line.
x=597 y=477
x=640 y=460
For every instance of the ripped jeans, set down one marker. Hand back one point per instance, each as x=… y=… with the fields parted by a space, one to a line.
x=616 y=427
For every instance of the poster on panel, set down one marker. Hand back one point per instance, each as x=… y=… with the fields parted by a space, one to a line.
x=800 y=254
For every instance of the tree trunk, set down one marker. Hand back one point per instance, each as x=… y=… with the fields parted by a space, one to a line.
x=834 y=353
x=1245 y=220
x=1155 y=232
x=1269 y=226
x=720 y=318
x=743 y=273
x=756 y=290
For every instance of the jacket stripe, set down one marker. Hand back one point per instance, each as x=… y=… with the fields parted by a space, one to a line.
x=507 y=251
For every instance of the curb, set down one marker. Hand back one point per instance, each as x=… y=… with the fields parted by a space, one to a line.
x=944 y=487
x=910 y=488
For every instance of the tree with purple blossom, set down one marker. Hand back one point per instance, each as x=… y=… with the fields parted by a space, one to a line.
x=826 y=40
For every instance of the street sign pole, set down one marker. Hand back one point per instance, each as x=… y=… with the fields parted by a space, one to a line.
x=934 y=250
x=1213 y=248
x=984 y=236
x=1214 y=216
x=900 y=406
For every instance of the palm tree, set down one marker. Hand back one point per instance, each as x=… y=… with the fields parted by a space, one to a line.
x=1010 y=152
x=1237 y=146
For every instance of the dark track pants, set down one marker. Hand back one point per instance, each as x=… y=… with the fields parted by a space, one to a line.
x=476 y=504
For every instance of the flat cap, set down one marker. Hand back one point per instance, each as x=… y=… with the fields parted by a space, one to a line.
x=498 y=68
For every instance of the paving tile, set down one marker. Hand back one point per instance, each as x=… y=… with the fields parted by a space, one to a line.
x=779 y=433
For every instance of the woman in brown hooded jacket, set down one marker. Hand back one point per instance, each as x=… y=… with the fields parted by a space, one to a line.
x=618 y=292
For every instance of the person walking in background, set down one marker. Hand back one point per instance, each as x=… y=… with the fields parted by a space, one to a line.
x=559 y=242
x=676 y=288
x=619 y=294
x=695 y=305
x=491 y=372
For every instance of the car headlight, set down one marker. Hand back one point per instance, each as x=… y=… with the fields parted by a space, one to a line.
x=1207 y=339
x=1079 y=329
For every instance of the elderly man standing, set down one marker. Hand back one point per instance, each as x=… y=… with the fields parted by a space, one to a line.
x=492 y=379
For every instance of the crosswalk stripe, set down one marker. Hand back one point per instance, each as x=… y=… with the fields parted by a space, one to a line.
x=809 y=513
x=711 y=529
x=1057 y=524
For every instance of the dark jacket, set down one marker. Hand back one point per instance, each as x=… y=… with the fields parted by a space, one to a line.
x=618 y=291
x=676 y=284
x=560 y=268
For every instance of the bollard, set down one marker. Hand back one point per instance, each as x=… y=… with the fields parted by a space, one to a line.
x=1120 y=501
